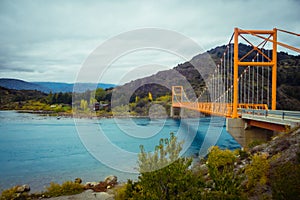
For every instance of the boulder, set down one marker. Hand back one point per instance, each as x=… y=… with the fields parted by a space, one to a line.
x=90 y=185
x=78 y=180
x=203 y=169
x=22 y=188
x=111 y=180
x=100 y=187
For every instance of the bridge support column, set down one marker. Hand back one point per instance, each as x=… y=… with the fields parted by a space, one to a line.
x=175 y=112
x=245 y=134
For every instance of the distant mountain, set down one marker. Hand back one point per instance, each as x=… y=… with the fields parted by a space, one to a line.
x=17 y=84
x=55 y=87
x=47 y=87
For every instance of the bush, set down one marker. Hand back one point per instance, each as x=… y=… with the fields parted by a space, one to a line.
x=257 y=171
x=221 y=170
x=163 y=175
x=11 y=194
x=285 y=181
x=255 y=143
x=67 y=188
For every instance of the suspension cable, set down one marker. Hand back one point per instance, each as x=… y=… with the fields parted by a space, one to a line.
x=289 y=32
x=268 y=82
x=262 y=80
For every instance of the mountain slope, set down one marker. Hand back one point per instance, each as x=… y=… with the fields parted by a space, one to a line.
x=47 y=87
x=12 y=99
x=56 y=87
x=17 y=84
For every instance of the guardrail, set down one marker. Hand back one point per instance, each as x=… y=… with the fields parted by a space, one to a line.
x=280 y=114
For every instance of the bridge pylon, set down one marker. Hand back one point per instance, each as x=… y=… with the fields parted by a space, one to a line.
x=240 y=60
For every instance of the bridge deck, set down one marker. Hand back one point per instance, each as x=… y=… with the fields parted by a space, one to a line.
x=278 y=120
x=219 y=109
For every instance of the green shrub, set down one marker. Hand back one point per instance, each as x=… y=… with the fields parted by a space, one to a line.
x=131 y=190
x=218 y=195
x=9 y=194
x=285 y=181
x=257 y=171
x=163 y=175
x=221 y=170
x=67 y=188
x=241 y=153
x=121 y=192
x=255 y=143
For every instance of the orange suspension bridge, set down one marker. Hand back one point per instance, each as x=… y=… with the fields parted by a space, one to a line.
x=242 y=81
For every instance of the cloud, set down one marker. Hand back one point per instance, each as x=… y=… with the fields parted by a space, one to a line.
x=13 y=69
x=53 y=38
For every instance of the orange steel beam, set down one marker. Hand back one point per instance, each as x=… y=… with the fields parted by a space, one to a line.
x=256 y=63
x=235 y=73
x=274 y=70
x=241 y=31
x=219 y=109
x=288 y=32
x=269 y=126
x=237 y=62
x=279 y=43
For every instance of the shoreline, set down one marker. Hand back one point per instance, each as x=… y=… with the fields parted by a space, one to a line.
x=88 y=190
x=85 y=115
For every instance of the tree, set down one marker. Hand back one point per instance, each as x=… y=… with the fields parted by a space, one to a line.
x=164 y=175
x=150 y=96
x=84 y=105
x=49 y=98
x=100 y=94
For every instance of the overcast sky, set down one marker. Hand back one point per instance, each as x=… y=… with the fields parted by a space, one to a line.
x=50 y=40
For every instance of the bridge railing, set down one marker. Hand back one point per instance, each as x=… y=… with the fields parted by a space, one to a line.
x=279 y=114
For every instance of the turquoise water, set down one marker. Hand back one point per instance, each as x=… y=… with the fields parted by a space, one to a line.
x=37 y=150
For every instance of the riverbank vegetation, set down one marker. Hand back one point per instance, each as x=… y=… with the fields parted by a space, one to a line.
x=267 y=171
x=82 y=104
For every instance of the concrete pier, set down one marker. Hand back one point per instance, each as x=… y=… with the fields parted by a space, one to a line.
x=245 y=134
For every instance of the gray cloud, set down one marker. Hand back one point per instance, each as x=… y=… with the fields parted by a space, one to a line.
x=4 y=68
x=49 y=40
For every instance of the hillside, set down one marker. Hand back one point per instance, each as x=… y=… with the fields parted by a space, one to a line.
x=17 y=84
x=288 y=80
x=10 y=98
x=54 y=87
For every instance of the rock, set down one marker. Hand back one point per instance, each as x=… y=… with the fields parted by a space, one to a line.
x=258 y=148
x=22 y=188
x=111 y=180
x=265 y=155
x=78 y=180
x=90 y=185
x=204 y=169
x=101 y=187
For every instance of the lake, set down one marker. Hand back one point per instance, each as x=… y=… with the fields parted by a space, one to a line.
x=38 y=150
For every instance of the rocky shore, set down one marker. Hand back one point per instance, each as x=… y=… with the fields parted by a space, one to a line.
x=93 y=190
x=86 y=195
x=102 y=190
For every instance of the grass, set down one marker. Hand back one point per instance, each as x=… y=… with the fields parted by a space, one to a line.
x=54 y=190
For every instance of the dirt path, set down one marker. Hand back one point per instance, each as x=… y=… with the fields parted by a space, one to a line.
x=86 y=195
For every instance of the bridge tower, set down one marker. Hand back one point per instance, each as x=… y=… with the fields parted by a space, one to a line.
x=239 y=60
